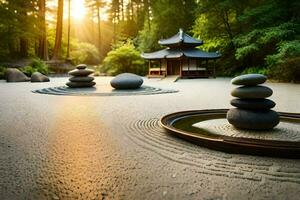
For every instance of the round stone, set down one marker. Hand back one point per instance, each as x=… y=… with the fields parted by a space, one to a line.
x=81 y=66
x=252 y=119
x=249 y=79
x=80 y=84
x=253 y=103
x=39 y=77
x=81 y=79
x=126 y=81
x=252 y=92
x=81 y=72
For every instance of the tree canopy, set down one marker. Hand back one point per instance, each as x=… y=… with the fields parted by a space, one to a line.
x=253 y=36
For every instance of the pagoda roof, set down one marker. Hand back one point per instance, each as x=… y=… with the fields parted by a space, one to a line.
x=178 y=53
x=181 y=38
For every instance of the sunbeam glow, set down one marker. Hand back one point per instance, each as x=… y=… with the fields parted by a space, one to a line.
x=78 y=9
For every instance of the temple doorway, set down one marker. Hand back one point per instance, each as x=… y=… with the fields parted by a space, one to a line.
x=173 y=67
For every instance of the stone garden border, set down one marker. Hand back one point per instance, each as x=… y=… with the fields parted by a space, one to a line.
x=273 y=148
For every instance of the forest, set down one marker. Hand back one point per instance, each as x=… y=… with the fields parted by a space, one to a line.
x=253 y=36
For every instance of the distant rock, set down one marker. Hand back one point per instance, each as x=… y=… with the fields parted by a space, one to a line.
x=126 y=81
x=39 y=77
x=252 y=92
x=15 y=75
x=253 y=103
x=249 y=79
x=252 y=119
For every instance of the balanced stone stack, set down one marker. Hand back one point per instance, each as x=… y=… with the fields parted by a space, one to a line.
x=253 y=110
x=81 y=77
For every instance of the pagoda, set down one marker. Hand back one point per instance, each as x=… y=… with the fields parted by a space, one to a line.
x=181 y=58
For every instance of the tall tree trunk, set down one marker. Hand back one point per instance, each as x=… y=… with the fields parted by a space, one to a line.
x=122 y=10
x=99 y=28
x=43 y=47
x=23 y=47
x=69 y=28
x=58 y=37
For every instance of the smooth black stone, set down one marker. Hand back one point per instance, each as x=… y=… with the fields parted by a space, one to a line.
x=126 y=81
x=39 y=77
x=253 y=103
x=81 y=79
x=80 y=84
x=252 y=119
x=252 y=92
x=15 y=75
x=249 y=79
x=81 y=66
x=81 y=72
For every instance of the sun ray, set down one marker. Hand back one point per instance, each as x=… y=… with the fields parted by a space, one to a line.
x=78 y=9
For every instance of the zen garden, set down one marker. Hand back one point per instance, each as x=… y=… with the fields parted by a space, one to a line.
x=149 y=99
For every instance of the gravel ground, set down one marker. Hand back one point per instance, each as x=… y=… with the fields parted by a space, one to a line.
x=111 y=147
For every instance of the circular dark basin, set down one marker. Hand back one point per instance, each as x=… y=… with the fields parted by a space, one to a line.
x=182 y=124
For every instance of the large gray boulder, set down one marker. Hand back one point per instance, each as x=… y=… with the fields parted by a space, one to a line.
x=252 y=119
x=39 y=77
x=126 y=81
x=249 y=79
x=15 y=75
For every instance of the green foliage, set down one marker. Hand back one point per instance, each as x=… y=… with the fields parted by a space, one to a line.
x=289 y=70
x=285 y=64
x=124 y=58
x=17 y=28
x=170 y=15
x=2 y=72
x=256 y=70
x=148 y=39
x=82 y=52
x=251 y=34
x=36 y=65
x=285 y=50
x=246 y=50
x=255 y=41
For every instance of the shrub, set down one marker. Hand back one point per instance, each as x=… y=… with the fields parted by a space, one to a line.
x=285 y=64
x=36 y=65
x=256 y=70
x=289 y=70
x=124 y=58
x=84 y=53
x=2 y=72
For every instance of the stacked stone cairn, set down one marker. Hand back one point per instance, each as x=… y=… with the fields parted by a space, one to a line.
x=80 y=77
x=253 y=110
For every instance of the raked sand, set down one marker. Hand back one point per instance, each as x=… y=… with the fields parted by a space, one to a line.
x=112 y=147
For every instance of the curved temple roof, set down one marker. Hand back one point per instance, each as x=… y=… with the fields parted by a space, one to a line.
x=178 y=53
x=180 y=38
